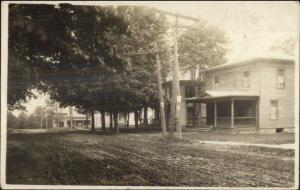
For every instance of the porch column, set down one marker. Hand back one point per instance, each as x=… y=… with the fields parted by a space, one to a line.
x=257 y=112
x=232 y=113
x=215 y=112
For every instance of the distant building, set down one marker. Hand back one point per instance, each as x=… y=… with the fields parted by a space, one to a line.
x=256 y=95
x=63 y=120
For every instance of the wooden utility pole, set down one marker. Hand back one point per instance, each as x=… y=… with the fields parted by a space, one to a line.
x=176 y=79
x=160 y=93
x=159 y=82
x=176 y=98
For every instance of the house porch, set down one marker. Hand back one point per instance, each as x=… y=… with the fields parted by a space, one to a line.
x=226 y=112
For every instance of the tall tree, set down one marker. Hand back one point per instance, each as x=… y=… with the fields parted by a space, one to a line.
x=103 y=121
x=200 y=47
x=286 y=46
x=50 y=45
x=130 y=89
x=78 y=54
x=93 y=121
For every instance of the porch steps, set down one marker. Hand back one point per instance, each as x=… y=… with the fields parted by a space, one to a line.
x=199 y=129
x=242 y=130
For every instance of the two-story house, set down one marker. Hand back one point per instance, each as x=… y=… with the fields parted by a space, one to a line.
x=253 y=95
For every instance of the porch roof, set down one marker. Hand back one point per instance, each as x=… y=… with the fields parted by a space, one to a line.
x=208 y=95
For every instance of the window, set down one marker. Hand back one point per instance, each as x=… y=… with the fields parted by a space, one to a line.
x=190 y=91
x=191 y=110
x=246 y=80
x=280 y=79
x=279 y=130
x=274 y=109
x=215 y=83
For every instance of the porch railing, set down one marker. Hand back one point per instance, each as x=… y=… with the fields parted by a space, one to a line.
x=226 y=121
x=245 y=120
x=196 y=121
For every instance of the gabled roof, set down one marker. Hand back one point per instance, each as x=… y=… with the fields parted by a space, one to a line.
x=251 y=61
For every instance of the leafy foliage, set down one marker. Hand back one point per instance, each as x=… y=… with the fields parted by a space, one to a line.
x=200 y=47
x=77 y=55
x=286 y=46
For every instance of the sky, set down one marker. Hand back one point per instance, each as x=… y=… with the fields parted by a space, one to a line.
x=251 y=27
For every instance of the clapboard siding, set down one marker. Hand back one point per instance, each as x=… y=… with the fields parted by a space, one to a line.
x=263 y=82
x=231 y=79
x=284 y=96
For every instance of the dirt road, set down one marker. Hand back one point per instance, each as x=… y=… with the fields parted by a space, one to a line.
x=83 y=158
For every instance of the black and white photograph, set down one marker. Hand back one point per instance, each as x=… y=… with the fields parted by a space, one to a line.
x=150 y=95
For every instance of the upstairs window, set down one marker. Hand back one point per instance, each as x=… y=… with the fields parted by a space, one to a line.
x=280 y=79
x=215 y=83
x=246 y=80
x=190 y=91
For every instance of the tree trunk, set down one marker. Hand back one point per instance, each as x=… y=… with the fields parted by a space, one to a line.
x=111 y=121
x=103 y=121
x=41 y=120
x=193 y=73
x=146 y=116
x=128 y=115
x=156 y=113
x=93 y=121
x=71 y=116
x=160 y=93
x=56 y=116
x=156 y=116
x=116 y=122
x=87 y=120
x=168 y=114
x=46 y=121
x=140 y=117
x=136 y=119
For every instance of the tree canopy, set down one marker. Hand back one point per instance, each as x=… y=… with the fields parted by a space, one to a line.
x=77 y=54
x=201 y=46
x=286 y=46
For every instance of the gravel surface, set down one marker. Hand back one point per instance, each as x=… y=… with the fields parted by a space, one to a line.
x=85 y=158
